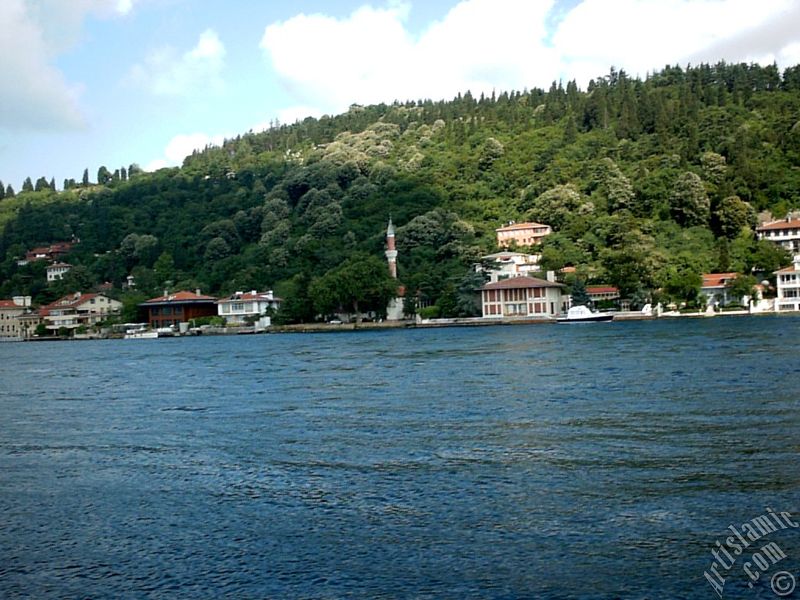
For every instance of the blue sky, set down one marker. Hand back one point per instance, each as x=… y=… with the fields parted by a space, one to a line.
x=113 y=82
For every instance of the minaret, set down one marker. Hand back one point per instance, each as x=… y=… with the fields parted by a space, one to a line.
x=391 y=252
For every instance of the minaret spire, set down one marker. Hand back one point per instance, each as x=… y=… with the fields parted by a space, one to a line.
x=391 y=252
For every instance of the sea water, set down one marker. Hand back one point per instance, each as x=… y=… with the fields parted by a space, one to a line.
x=565 y=461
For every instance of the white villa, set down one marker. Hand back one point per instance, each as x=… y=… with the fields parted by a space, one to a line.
x=523 y=297
x=785 y=232
x=252 y=306
x=57 y=271
x=715 y=288
x=503 y=265
x=789 y=287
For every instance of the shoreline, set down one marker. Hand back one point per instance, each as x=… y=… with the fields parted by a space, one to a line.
x=407 y=324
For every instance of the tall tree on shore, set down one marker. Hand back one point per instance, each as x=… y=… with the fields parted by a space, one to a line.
x=85 y=179
x=361 y=283
x=27 y=185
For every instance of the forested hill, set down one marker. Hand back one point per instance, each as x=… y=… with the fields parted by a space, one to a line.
x=647 y=184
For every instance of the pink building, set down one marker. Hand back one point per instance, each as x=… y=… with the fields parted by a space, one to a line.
x=522 y=234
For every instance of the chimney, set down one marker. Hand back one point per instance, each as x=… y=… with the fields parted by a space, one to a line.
x=197 y=291
x=551 y=276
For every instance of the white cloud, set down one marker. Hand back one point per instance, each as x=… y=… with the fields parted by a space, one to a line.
x=372 y=57
x=481 y=45
x=181 y=146
x=642 y=36
x=36 y=95
x=165 y=72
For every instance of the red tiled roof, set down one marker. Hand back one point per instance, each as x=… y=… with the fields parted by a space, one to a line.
x=58 y=265
x=791 y=224
x=517 y=226
x=521 y=283
x=602 y=289
x=9 y=304
x=68 y=301
x=181 y=297
x=717 y=279
x=568 y=270
x=791 y=269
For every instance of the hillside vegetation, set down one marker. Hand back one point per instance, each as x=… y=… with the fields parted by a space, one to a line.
x=647 y=184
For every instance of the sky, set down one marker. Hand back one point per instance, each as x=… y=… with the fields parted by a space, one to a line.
x=87 y=83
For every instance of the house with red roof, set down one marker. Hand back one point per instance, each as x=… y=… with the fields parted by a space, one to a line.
x=525 y=297
x=78 y=309
x=11 y=311
x=715 y=288
x=247 y=307
x=599 y=293
x=785 y=232
x=522 y=234
x=51 y=253
x=181 y=307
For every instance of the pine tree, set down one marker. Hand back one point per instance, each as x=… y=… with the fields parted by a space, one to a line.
x=580 y=297
x=2 y=191
x=10 y=191
x=85 y=180
x=42 y=184
x=53 y=183
x=27 y=185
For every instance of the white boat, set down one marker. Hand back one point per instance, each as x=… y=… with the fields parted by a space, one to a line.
x=140 y=334
x=582 y=314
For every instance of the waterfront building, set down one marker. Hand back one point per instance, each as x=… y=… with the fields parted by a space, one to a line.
x=180 y=307
x=715 y=288
x=788 y=285
x=243 y=308
x=57 y=271
x=78 y=309
x=11 y=311
x=523 y=297
x=600 y=293
x=522 y=234
x=502 y=265
x=785 y=232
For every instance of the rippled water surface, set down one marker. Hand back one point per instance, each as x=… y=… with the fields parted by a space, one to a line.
x=567 y=461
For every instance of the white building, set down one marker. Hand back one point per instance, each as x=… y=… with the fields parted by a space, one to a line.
x=785 y=232
x=503 y=265
x=715 y=288
x=57 y=271
x=788 y=297
x=527 y=297
x=244 y=308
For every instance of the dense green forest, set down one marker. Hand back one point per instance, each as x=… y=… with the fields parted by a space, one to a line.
x=647 y=184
